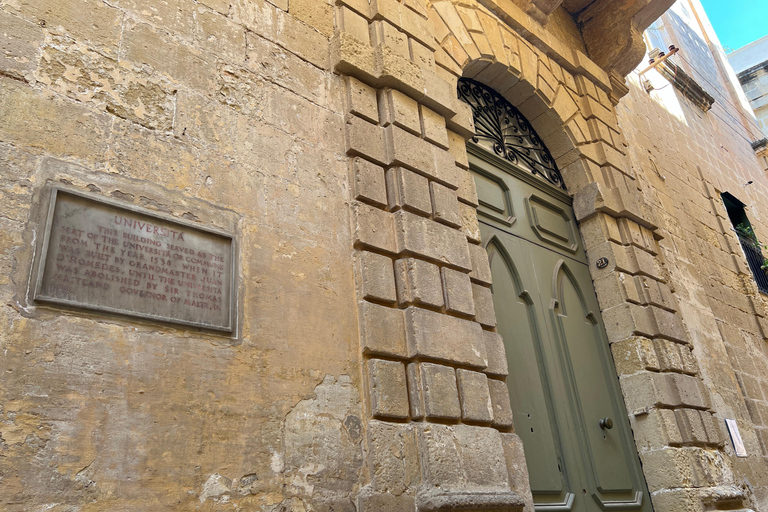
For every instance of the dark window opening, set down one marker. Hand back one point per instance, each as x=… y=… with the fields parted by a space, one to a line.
x=748 y=240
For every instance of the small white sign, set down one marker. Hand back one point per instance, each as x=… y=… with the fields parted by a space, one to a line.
x=738 y=443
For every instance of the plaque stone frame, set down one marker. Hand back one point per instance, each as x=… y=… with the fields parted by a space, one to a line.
x=229 y=294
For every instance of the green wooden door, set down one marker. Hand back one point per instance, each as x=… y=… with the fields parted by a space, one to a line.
x=562 y=381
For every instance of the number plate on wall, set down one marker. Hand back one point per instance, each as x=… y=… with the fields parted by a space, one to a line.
x=100 y=255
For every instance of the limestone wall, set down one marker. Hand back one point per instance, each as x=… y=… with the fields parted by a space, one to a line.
x=222 y=113
x=363 y=373
x=684 y=159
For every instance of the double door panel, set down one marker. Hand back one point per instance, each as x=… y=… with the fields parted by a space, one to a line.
x=562 y=380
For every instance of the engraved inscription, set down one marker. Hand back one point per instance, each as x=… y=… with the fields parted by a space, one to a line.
x=101 y=256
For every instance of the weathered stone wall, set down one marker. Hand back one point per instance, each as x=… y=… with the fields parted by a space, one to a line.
x=224 y=113
x=684 y=159
x=364 y=373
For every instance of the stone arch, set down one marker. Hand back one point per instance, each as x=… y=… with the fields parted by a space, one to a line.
x=478 y=45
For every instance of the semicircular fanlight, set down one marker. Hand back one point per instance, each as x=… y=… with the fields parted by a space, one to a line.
x=501 y=128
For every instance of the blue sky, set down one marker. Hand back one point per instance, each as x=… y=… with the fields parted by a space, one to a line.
x=738 y=22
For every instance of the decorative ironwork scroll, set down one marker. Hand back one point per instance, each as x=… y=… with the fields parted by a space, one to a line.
x=501 y=128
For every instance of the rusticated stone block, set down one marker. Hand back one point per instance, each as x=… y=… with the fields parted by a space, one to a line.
x=446 y=170
x=655 y=293
x=439 y=392
x=643 y=262
x=418 y=282
x=378 y=277
x=502 y=409
x=690 y=366
x=458 y=292
x=400 y=110
x=415 y=24
x=407 y=150
x=481 y=268
x=386 y=9
x=440 y=456
x=365 y=139
x=398 y=72
x=634 y=354
x=467 y=192
x=670 y=355
x=461 y=457
x=409 y=191
x=682 y=467
x=475 y=396
x=646 y=390
x=422 y=56
x=469 y=224
x=627 y=320
x=656 y=429
x=697 y=427
x=440 y=96
x=370 y=182
x=374 y=228
x=388 y=388
x=497 y=354
x=431 y=240
x=457 y=145
x=446 y=205
x=445 y=338
x=612 y=289
x=669 y=325
x=482 y=456
x=353 y=24
x=484 y=312
x=382 y=330
x=361 y=100
x=433 y=127
x=350 y=56
x=393 y=457
x=384 y=33
x=691 y=391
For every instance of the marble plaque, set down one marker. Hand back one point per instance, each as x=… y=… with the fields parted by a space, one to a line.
x=101 y=255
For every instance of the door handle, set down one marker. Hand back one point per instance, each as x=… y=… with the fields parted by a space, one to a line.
x=606 y=423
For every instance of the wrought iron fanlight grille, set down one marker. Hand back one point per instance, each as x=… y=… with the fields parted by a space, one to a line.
x=501 y=128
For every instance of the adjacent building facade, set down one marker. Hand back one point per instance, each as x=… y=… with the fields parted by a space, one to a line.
x=299 y=255
x=750 y=63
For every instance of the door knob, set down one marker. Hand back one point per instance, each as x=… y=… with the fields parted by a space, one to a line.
x=606 y=423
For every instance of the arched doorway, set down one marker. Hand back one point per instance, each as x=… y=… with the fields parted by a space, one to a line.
x=568 y=409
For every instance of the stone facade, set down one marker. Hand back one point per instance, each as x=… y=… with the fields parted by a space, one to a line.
x=750 y=63
x=365 y=372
